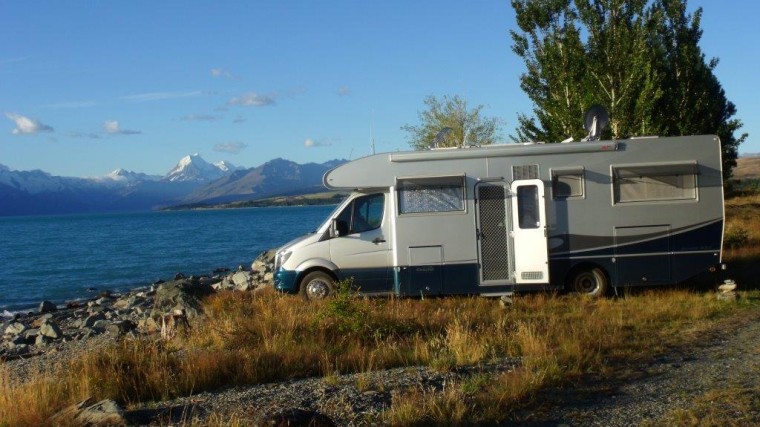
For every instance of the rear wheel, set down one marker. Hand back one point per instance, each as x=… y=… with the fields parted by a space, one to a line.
x=316 y=285
x=590 y=281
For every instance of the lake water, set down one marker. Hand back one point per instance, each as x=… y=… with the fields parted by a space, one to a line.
x=59 y=258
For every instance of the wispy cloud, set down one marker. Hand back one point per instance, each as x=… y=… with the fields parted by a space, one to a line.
x=71 y=104
x=201 y=118
x=252 y=99
x=112 y=127
x=88 y=135
x=221 y=72
x=25 y=125
x=230 y=147
x=311 y=143
x=159 y=96
x=239 y=119
x=344 y=91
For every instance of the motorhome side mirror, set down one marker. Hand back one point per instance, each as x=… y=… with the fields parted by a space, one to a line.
x=340 y=228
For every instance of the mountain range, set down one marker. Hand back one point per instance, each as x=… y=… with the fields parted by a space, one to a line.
x=192 y=181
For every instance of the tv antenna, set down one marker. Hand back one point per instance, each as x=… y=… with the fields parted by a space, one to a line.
x=371 y=135
x=595 y=120
x=440 y=136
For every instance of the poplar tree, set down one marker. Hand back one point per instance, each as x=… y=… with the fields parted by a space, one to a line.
x=640 y=59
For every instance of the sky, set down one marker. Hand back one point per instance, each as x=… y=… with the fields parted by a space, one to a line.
x=89 y=87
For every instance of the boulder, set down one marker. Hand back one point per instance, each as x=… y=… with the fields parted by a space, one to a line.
x=51 y=330
x=181 y=295
x=90 y=320
x=15 y=328
x=243 y=280
x=47 y=307
x=262 y=267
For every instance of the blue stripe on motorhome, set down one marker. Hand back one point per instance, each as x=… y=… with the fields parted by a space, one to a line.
x=706 y=236
x=672 y=258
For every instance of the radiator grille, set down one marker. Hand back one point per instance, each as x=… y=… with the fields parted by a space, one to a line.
x=532 y=275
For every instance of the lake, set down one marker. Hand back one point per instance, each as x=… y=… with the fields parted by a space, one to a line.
x=58 y=258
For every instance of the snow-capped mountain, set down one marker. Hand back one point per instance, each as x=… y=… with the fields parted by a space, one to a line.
x=192 y=180
x=193 y=168
x=125 y=176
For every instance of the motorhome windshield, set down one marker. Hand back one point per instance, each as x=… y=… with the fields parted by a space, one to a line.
x=335 y=211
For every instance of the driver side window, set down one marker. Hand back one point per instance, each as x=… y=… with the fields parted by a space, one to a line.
x=364 y=213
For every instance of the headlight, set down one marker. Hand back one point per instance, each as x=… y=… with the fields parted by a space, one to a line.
x=281 y=259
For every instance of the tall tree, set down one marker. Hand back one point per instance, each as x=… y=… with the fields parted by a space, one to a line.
x=640 y=59
x=448 y=122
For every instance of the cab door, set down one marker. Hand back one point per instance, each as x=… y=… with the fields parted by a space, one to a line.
x=529 y=232
x=364 y=251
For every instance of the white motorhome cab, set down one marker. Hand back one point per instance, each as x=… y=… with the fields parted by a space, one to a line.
x=493 y=220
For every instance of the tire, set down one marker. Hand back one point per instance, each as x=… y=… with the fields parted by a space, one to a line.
x=316 y=285
x=591 y=282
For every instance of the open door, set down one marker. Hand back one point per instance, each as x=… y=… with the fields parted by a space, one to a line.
x=529 y=232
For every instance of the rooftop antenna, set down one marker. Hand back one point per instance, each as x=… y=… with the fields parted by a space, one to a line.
x=440 y=136
x=371 y=136
x=595 y=120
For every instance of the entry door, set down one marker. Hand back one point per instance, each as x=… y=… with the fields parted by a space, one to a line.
x=493 y=233
x=529 y=232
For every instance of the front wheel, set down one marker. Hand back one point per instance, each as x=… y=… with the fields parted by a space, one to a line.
x=590 y=281
x=316 y=285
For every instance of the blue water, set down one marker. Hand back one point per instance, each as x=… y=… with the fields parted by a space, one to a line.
x=59 y=257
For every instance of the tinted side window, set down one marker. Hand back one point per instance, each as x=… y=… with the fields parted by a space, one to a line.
x=527 y=207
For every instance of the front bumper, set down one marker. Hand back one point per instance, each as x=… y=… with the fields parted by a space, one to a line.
x=286 y=281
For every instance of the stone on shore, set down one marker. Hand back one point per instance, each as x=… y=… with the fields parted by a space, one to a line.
x=15 y=328
x=47 y=307
x=51 y=330
x=181 y=294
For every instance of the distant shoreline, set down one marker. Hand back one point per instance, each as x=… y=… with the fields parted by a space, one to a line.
x=316 y=199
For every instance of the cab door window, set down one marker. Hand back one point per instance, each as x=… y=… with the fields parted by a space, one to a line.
x=363 y=213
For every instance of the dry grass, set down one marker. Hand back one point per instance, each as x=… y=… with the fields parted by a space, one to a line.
x=249 y=339
x=725 y=407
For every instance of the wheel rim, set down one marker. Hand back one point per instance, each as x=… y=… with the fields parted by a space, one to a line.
x=586 y=283
x=317 y=289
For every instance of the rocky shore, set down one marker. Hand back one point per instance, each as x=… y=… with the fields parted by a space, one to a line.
x=157 y=308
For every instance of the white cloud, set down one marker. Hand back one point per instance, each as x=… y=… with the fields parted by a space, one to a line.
x=158 y=96
x=251 y=99
x=344 y=91
x=239 y=119
x=112 y=127
x=230 y=147
x=221 y=72
x=310 y=143
x=25 y=125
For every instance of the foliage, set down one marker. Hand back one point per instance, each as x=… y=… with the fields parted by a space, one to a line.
x=736 y=237
x=640 y=59
x=468 y=126
x=342 y=309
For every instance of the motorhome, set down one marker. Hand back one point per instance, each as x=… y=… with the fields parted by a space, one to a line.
x=584 y=216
